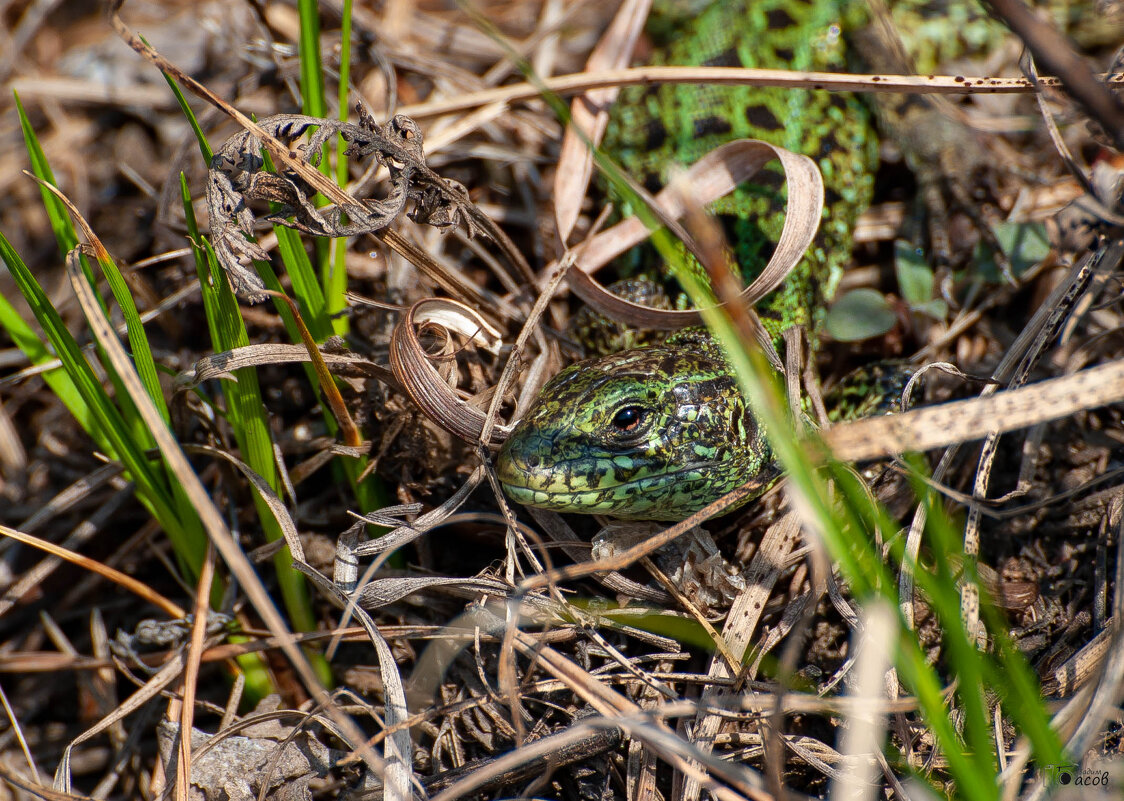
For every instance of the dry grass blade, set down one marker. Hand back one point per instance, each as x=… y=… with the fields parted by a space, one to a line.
x=685 y=756
x=713 y=176
x=583 y=740
x=129 y=583
x=191 y=673
x=76 y=492
x=735 y=76
x=98 y=521
x=741 y=625
x=268 y=496
x=578 y=550
x=866 y=725
x=396 y=769
x=12 y=454
x=382 y=592
x=349 y=432
x=17 y=730
x=1106 y=697
x=223 y=365
x=152 y=688
x=589 y=115
x=1049 y=317
x=1081 y=668
x=434 y=517
x=457 y=285
x=37 y=790
x=618 y=710
x=963 y=421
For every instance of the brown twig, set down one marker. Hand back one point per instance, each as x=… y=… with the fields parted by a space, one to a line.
x=1055 y=53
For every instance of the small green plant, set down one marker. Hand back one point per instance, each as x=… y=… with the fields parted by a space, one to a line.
x=867 y=313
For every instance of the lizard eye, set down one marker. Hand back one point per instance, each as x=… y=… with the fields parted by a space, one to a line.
x=628 y=419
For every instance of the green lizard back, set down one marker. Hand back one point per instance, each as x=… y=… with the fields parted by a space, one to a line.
x=653 y=128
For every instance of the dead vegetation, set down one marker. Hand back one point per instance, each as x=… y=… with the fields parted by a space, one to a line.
x=724 y=664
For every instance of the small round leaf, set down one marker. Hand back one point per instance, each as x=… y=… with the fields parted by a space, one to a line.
x=860 y=314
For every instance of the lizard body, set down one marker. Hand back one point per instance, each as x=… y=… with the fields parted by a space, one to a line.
x=659 y=432
x=654 y=128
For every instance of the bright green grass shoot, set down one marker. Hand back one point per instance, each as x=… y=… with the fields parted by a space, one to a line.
x=117 y=428
x=314 y=102
x=335 y=282
x=246 y=413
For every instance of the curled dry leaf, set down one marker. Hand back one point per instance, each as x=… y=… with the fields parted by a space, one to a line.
x=415 y=370
x=714 y=175
x=237 y=175
x=462 y=320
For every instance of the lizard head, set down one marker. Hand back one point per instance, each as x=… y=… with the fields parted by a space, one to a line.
x=654 y=433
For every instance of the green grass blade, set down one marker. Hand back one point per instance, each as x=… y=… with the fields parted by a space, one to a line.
x=1006 y=671
x=962 y=654
x=370 y=493
x=345 y=84
x=138 y=341
x=67 y=238
x=845 y=529
x=248 y=418
x=312 y=76
x=972 y=761
x=333 y=277
x=201 y=138
x=64 y=345
x=335 y=281
x=36 y=351
x=110 y=428
x=57 y=214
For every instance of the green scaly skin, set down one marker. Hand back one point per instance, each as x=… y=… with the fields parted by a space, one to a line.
x=659 y=432
x=693 y=435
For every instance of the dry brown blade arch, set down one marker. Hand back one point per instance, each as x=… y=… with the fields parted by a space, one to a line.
x=714 y=175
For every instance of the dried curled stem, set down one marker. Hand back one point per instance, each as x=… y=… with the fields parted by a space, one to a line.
x=237 y=175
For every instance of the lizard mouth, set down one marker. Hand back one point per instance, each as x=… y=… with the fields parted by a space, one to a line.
x=644 y=482
x=641 y=498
